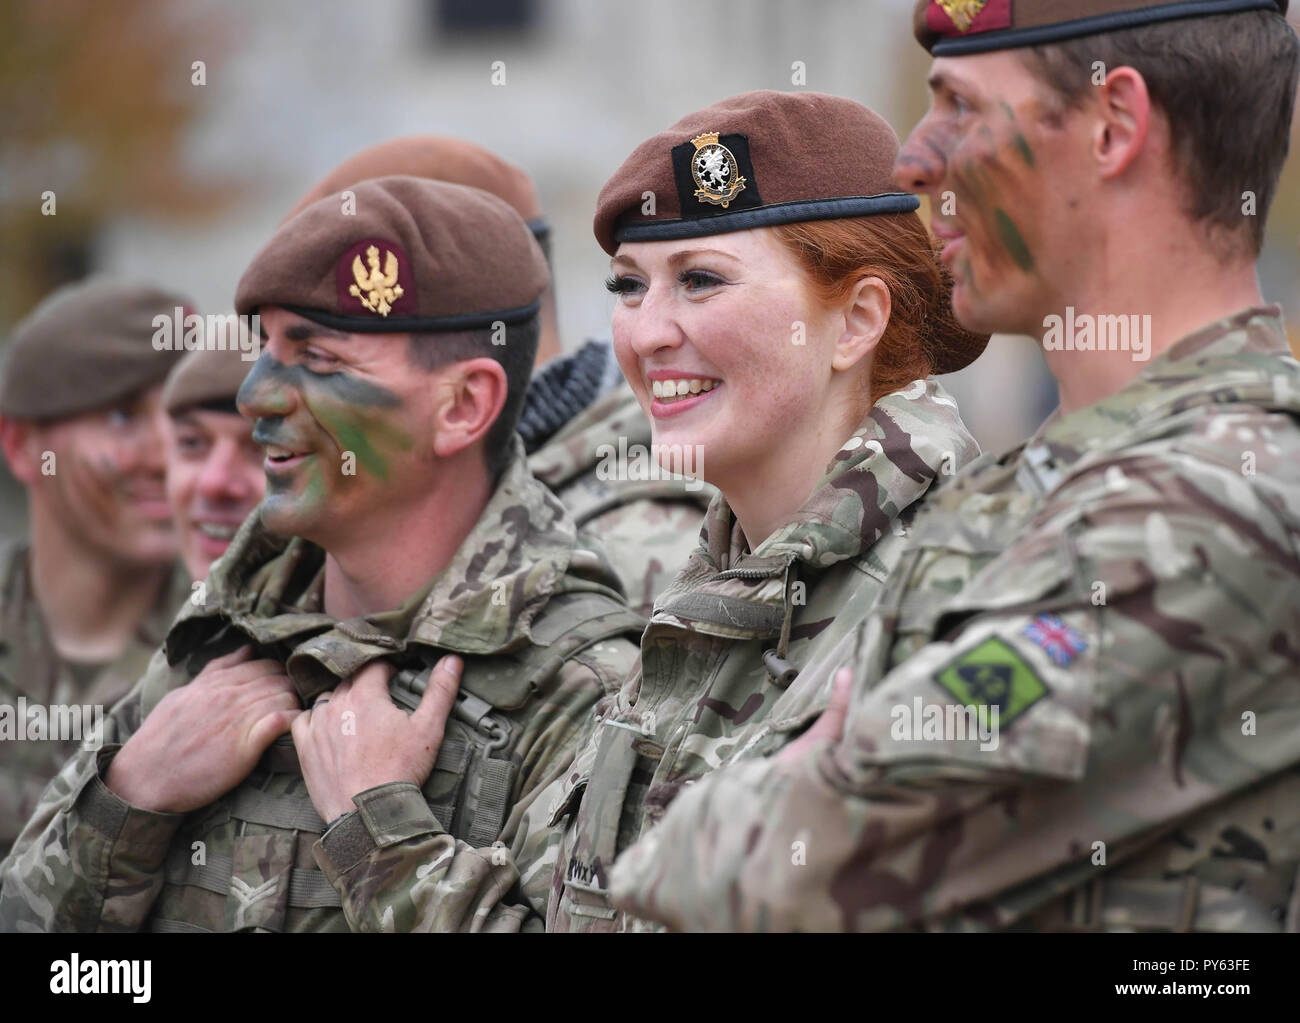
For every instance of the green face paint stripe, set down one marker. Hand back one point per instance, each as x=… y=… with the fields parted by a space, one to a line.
x=1012 y=240
x=990 y=673
x=351 y=437
x=1022 y=144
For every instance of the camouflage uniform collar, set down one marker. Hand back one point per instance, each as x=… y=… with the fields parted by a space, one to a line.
x=271 y=589
x=908 y=439
x=1241 y=359
x=577 y=447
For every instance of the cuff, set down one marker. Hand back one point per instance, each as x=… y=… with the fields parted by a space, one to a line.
x=385 y=815
x=144 y=835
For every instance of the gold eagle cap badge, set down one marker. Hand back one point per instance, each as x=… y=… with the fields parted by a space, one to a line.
x=962 y=12
x=716 y=173
x=377 y=289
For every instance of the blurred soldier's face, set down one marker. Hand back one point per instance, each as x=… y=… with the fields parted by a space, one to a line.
x=346 y=426
x=214 y=479
x=728 y=333
x=102 y=480
x=1005 y=168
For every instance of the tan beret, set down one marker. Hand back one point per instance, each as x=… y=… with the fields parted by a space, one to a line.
x=754 y=160
x=205 y=377
x=417 y=255
x=439 y=159
x=950 y=28
x=87 y=345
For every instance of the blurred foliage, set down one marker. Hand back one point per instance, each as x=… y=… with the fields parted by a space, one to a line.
x=95 y=103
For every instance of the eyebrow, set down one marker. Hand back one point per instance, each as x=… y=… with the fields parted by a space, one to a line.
x=307 y=331
x=677 y=258
x=941 y=81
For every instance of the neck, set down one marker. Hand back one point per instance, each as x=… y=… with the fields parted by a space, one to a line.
x=1171 y=277
x=766 y=496
x=91 y=604
x=396 y=555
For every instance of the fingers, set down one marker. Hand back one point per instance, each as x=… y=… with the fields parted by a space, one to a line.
x=838 y=708
x=440 y=694
x=272 y=725
x=230 y=660
x=372 y=680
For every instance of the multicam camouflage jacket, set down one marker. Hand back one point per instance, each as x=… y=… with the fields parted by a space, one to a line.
x=598 y=466
x=1125 y=592
x=34 y=679
x=731 y=632
x=543 y=636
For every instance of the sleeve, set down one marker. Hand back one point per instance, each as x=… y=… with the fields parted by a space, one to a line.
x=87 y=860
x=396 y=869
x=1150 y=682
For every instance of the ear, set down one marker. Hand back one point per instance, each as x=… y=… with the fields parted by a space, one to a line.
x=866 y=315
x=470 y=396
x=1121 y=134
x=16 y=438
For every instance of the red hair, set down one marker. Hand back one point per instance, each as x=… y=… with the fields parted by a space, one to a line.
x=836 y=254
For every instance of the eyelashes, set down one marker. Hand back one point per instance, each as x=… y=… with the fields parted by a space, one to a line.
x=619 y=285
x=696 y=280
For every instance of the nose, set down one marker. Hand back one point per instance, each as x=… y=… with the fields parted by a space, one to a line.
x=921 y=164
x=651 y=326
x=265 y=392
x=224 y=476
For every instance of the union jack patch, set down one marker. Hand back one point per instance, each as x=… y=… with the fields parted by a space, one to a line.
x=1062 y=643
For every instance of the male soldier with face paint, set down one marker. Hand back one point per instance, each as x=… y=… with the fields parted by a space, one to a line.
x=1118 y=600
x=400 y=525
x=577 y=410
x=86 y=600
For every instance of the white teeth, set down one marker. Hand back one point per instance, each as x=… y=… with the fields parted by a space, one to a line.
x=274 y=451
x=215 y=531
x=670 y=390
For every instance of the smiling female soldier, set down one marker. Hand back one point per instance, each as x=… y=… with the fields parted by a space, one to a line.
x=780 y=309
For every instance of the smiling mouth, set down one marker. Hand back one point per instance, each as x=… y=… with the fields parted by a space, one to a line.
x=217 y=530
x=671 y=391
x=279 y=459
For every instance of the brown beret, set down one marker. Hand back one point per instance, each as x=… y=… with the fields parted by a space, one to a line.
x=438 y=159
x=88 y=345
x=417 y=255
x=754 y=160
x=950 y=28
x=204 y=377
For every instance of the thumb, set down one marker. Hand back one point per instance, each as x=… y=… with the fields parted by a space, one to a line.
x=830 y=725
x=440 y=694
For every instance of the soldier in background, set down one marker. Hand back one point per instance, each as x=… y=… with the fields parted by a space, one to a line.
x=86 y=599
x=214 y=467
x=400 y=524
x=578 y=408
x=1120 y=597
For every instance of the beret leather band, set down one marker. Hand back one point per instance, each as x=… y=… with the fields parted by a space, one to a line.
x=796 y=211
x=417 y=324
x=1113 y=21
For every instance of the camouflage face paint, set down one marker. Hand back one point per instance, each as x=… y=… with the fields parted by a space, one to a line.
x=351 y=436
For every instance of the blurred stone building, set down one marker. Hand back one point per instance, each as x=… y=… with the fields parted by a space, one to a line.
x=290 y=89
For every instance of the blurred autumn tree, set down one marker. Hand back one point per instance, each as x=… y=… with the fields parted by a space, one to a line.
x=95 y=102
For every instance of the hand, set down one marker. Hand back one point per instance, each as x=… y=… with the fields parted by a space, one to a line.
x=356 y=738
x=202 y=739
x=831 y=723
